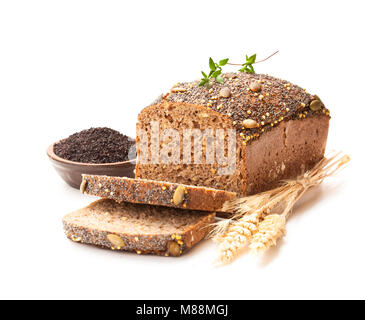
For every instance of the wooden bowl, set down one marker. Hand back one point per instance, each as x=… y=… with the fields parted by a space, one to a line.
x=71 y=172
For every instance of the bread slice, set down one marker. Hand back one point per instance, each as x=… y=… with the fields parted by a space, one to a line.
x=143 y=229
x=158 y=193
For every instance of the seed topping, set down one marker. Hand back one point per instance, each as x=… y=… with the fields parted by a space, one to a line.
x=225 y=92
x=179 y=195
x=252 y=96
x=255 y=86
x=116 y=240
x=174 y=249
x=249 y=123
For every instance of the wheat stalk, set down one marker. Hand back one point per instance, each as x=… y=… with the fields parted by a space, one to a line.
x=251 y=222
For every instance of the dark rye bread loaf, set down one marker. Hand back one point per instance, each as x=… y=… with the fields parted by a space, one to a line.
x=143 y=229
x=281 y=131
x=158 y=193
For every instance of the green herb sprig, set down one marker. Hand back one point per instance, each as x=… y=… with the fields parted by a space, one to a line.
x=247 y=66
x=216 y=68
x=214 y=73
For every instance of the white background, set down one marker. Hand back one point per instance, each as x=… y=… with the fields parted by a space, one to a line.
x=69 y=65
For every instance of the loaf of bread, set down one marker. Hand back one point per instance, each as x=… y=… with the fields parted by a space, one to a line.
x=143 y=229
x=157 y=193
x=281 y=131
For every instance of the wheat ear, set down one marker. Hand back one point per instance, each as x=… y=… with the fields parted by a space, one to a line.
x=269 y=231
x=236 y=237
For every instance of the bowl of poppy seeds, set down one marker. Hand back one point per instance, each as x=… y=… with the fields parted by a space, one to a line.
x=97 y=151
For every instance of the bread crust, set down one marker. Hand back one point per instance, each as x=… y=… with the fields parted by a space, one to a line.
x=158 y=193
x=78 y=230
x=285 y=152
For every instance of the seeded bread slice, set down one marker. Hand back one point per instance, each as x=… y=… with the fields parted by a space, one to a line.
x=139 y=228
x=158 y=193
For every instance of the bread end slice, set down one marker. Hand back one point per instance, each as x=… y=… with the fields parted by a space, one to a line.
x=139 y=228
